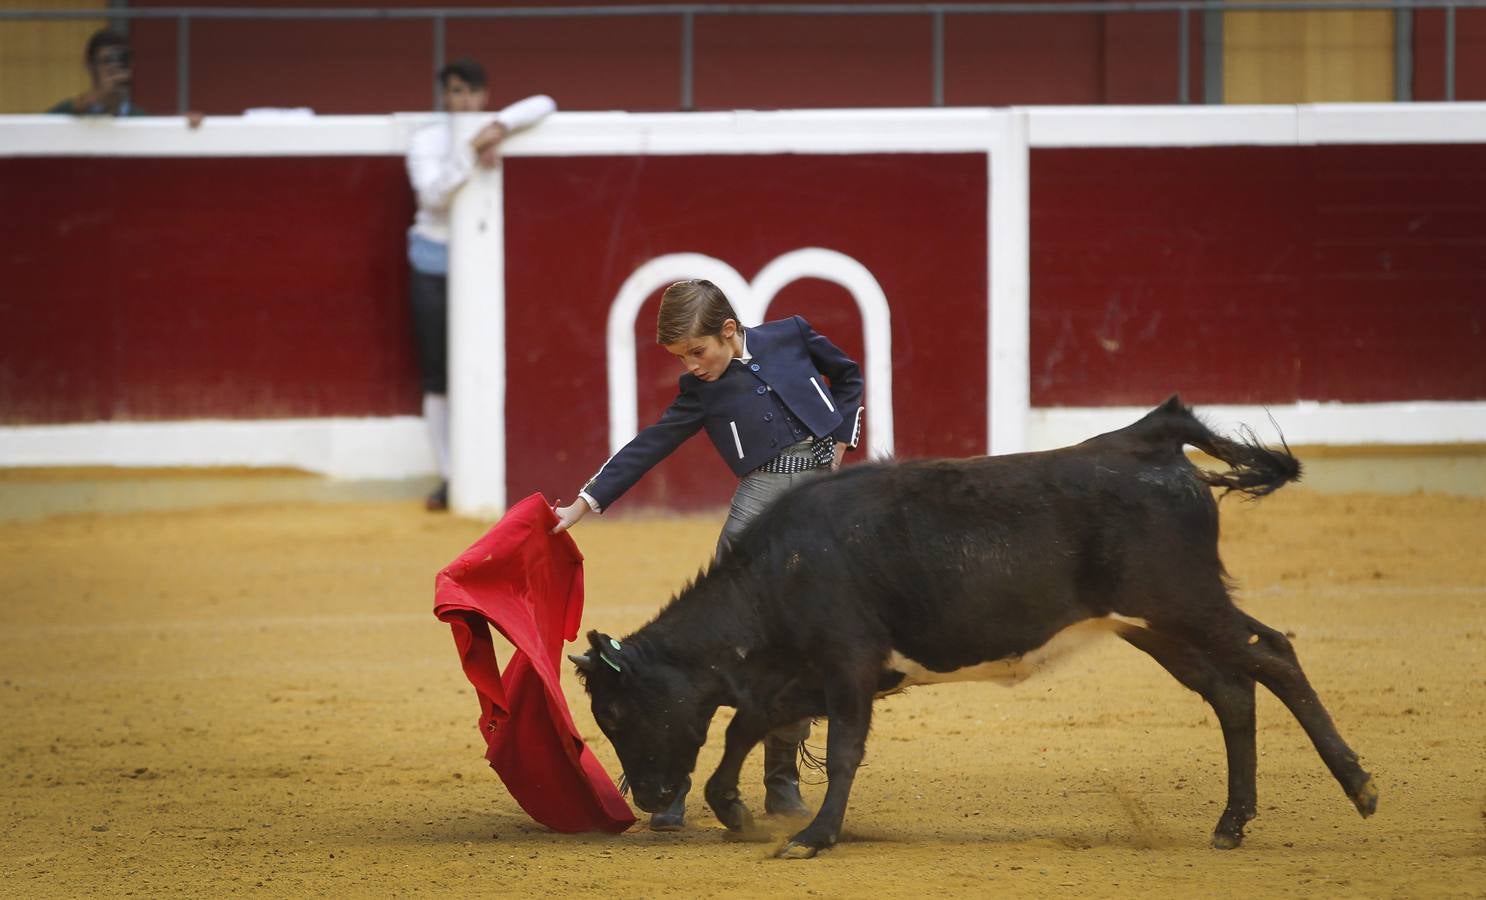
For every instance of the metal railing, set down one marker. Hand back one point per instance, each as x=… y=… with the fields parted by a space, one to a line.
x=687 y=14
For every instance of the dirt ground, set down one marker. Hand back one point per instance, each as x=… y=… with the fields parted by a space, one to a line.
x=255 y=698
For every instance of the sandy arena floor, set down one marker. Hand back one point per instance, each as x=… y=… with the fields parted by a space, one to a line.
x=255 y=698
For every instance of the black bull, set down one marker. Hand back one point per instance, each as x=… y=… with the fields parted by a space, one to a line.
x=888 y=575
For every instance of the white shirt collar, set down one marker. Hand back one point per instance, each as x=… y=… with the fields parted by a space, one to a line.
x=745 y=356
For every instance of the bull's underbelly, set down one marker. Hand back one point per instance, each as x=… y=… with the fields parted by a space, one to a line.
x=1013 y=669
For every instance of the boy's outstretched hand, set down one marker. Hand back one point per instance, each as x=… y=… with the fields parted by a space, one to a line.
x=568 y=516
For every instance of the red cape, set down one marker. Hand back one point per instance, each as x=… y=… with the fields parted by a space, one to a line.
x=529 y=585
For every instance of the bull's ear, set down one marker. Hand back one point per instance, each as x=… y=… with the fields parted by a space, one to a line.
x=584 y=663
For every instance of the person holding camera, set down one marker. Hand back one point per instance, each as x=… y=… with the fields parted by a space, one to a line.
x=111 y=66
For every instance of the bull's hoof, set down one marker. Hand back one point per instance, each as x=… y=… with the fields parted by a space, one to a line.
x=1222 y=841
x=795 y=850
x=735 y=816
x=1366 y=798
x=670 y=820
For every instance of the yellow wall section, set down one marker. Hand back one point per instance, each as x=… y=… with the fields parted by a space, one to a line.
x=1308 y=57
x=41 y=62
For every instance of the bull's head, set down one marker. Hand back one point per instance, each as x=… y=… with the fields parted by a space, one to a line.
x=651 y=711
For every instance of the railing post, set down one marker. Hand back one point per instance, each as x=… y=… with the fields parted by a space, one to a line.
x=688 y=29
x=182 y=64
x=1403 y=54
x=1183 y=57
x=122 y=24
x=1450 y=52
x=438 y=60
x=937 y=55
x=1212 y=55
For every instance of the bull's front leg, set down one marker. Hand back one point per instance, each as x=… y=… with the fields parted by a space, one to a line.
x=743 y=733
x=850 y=717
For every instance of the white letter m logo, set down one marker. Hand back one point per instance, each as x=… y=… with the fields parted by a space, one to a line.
x=752 y=301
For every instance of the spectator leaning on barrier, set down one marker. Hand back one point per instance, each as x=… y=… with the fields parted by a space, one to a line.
x=438 y=166
x=111 y=67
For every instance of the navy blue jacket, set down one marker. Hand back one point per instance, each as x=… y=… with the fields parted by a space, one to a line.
x=754 y=410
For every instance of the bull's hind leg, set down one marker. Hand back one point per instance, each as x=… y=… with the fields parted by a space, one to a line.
x=1232 y=697
x=1267 y=656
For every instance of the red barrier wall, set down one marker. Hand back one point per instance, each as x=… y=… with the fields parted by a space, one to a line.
x=153 y=288
x=139 y=288
x=1258 y=274
x=577 y=228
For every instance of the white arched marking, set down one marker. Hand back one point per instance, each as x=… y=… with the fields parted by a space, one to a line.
x=752 y=302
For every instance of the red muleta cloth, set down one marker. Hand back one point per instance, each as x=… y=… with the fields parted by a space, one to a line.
x=529 y=585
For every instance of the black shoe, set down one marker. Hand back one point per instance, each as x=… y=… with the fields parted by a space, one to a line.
x=674 y=818
x=438 y=501
x=782 y=779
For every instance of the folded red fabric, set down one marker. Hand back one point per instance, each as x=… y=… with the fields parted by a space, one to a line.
x=528 y=584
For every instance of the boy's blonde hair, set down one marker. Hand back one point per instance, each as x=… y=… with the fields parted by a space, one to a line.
x=688 y=309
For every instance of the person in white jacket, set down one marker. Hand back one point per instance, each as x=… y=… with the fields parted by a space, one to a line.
x=438 y=166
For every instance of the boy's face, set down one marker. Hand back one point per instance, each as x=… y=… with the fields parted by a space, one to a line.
x=461 y=96
x=707 y=357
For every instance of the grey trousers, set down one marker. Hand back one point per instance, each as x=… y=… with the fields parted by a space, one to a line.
x=755 y=492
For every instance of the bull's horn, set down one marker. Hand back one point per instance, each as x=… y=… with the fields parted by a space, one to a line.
x=582 y=661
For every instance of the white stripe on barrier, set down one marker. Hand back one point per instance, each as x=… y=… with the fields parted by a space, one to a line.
x=783 y=131
x=1342 y=424
x=391 y=447
x=397 y=446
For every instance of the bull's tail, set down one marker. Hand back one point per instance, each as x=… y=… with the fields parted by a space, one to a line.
x=1254 y=469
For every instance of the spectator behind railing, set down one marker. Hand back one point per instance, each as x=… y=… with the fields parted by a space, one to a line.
x=438 y=166
x=110 y=64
